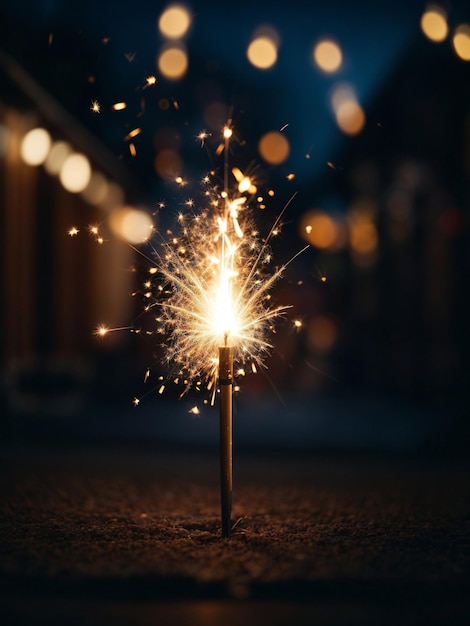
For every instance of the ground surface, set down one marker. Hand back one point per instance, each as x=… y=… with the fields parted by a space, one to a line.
x=128 y=536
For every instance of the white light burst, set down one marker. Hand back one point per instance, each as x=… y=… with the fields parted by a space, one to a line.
x=212 y=286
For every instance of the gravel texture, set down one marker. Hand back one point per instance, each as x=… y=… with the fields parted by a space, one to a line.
x=100 y=534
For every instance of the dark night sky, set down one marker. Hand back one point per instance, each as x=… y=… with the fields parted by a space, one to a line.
x=416 y=95
x=376 y=41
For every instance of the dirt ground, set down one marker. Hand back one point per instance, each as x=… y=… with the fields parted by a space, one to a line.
x=132 y=535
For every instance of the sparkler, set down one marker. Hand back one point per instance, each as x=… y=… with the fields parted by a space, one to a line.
x=213 y=297
x=210 y=288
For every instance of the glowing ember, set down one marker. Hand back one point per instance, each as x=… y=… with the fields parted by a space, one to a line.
x=95 y=106
x=101 y=331
x=133 y=133
x=150 y=80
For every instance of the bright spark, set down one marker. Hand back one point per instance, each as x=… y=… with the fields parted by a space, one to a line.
x=150 y=80
x=203 y=135
x=133 y=133
x=95 y=106
x=101 y=331
x=212 y=287
x=73 y=232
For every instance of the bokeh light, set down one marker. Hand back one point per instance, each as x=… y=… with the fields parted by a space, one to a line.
x=363 y=234
x=75 y=172
x=263 y=48
x=172 y=62
x=341 y=93
x=321 y=230
x=35 y=146
x=349 y=114
x=133 y=225
x=350 y=117
x=174 y=22
x=461 y=41
x=434 y=23
x=328 y=56
x=262 y=53
x=274 y=148
x=56 y=157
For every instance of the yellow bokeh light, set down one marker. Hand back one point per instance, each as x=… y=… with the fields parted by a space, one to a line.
x=350 y=117
x=262 y=52
x=342 y=92
x=75 y=172
x=363 y=235
x=35 y=146
x=461 y=41
x=173 y=62
x=132 y=225
x=56 y=157
x=174 y=22
x=434 y=23
x=320 y=230
x=274 y=148
x=328 y=56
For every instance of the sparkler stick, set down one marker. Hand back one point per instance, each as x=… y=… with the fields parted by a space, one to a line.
x=225 y=384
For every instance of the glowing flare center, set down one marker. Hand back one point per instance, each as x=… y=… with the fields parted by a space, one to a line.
x=225 y=318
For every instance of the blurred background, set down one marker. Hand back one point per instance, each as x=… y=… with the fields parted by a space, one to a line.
x=361 y=109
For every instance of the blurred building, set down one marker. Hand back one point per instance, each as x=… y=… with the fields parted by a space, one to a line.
x=59 y=189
